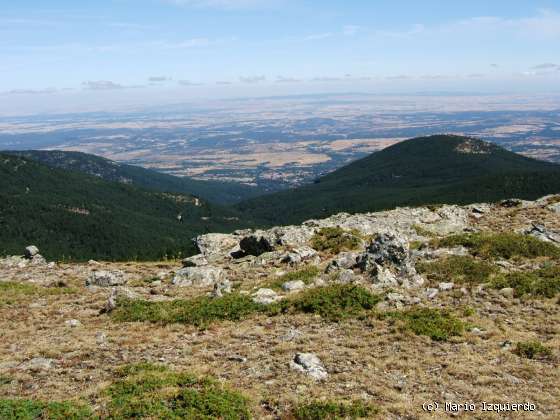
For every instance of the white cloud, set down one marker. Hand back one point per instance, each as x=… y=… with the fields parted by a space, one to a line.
x=546 y=66
x=252 y=79
x=158 y=79
x=188 y=83
x=102 y=85
x=351 y=30
x=283 y=79
x=317 y=37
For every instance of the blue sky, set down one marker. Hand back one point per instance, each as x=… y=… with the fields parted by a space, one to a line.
x=195 y=48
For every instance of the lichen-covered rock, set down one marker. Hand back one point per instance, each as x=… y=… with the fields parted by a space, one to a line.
x=216 y=246
x=344 y=260
x=103 y=278
x=541 y=232
x=199 y=276
x=31 y=251
x=299 y=254
x=309 y=364
x=195 y=261
x=221 y=288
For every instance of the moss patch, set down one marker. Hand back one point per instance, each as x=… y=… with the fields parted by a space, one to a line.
x=334 y=410
x=150 y=391
x=334 y=240
x=458 y=269
x=437 y=324
x=501 y=245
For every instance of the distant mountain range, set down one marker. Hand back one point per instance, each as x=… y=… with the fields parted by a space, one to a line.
x=214 y=191
x=76 y=216
x=78 y=206
x=424 y=170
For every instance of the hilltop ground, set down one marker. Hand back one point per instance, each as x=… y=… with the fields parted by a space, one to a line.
x=493 y=335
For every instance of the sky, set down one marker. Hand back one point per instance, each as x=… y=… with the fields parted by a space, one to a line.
x=64 y=55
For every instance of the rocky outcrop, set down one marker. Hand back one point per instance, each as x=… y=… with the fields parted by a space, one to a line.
x=204 y=276
x=103 y=278
x=216 y=246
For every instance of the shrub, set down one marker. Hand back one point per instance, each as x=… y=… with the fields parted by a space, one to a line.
x=199 y=311
x=543 y=282
x=35 y=410
x=532 y=350
x=334 y=240
x=501 y=245
x=306 y=275
x=334 y=302
x=334 y=410
x=437 y=324
x=459 y=269
x=148 y=391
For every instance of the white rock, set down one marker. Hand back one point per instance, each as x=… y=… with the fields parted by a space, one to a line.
x=294 y=285
x=38 y=364
x=265 y=296
x=507 y=292
x=431 y=293
x=73 y=323
x=310 y=364
x=446 y=286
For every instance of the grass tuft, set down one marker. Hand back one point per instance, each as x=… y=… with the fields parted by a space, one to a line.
x=14 y=292
x=35 y=410
x=532 y=350
x=334 y=240
x=437 y=324
x=459 y=269
x=154 y=392
x=501 y=245
x=334 y=410
x=307 y=275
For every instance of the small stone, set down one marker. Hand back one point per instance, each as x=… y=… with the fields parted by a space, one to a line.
x=431 y=293
x=265 y=296
x=236 y=358
x=100 y=338
x=395 y=297
x=446 y=286
x=507 y=292
x=221 y=288
x=310 y=364
x=73 y=323
x=37 y=364
x=477 y=331
x=291 y=286
x=292 y=334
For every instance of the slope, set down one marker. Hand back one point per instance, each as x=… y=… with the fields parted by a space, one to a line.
x=434 y=169
x=217 y=192
x=69 y=215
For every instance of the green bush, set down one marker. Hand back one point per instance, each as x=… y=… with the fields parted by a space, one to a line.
x=199 y=311
x=334 y=240
x=459 y=269
x=532 y=350
x=36 y=410
x=154 y=392
x=333 y=302
x=501 y=245
x=543 y=282
x=307 y=275
x=334 y=410
x=437 y=324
